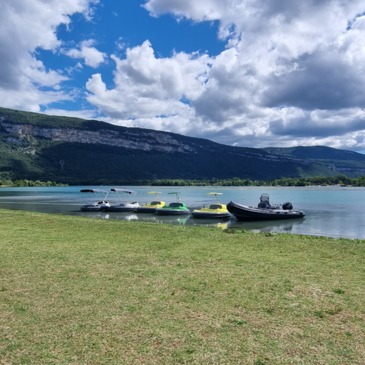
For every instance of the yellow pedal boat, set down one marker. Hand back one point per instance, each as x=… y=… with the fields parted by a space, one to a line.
x=152 y=206
x=213 y=211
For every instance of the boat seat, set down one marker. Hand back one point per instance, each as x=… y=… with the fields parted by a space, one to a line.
x=264 y=205
x=264 y=202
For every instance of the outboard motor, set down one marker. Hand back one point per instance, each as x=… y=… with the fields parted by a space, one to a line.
x=287 y=206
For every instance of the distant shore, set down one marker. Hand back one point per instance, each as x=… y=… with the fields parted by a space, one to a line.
x=308 y=181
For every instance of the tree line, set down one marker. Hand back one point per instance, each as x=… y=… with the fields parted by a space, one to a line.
x=27 y=183
x=340 y=180
x=302 y=181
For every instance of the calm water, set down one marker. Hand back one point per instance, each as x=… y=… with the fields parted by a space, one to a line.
x=330 y=211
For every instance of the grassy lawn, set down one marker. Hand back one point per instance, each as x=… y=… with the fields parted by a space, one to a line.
x=83 y=291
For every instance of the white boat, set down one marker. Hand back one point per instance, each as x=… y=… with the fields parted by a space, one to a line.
x=123 y=206
x=99 y=205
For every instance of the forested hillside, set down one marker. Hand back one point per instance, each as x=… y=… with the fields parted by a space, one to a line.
x=76 y=151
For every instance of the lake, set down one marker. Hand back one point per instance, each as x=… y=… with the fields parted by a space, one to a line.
x=330 y=211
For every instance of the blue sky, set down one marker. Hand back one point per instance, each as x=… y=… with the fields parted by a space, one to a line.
x=253 y=73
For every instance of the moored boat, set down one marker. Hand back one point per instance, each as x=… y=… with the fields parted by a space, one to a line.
x=124 y=206
x=264 y=210
x=152 y=206
x=99 y=205
x=215 y=210
x=175 y=208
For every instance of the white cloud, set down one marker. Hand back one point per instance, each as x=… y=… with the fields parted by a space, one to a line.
x=286 y=63
x=196 y=10
x=25 y=28
x=150 y=88
x=92 y=57
x=83 y=114
x=292 y=71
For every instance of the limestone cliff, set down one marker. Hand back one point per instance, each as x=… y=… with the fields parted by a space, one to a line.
x=143 y=140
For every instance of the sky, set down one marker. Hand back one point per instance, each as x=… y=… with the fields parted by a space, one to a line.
x=253 y=73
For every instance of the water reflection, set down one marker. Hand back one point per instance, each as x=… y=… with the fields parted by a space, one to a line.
x=330 y=211
x=154 y=218
x=264 y=226
x=284 y=226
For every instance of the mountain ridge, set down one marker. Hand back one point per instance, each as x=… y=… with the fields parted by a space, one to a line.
x=74 y=150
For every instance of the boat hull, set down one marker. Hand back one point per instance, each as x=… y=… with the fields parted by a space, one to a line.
x=91 y=208
x=176 y=208
x=145 y=210
x=210 y=215
x=123 y=207
x=94 y=207
x=150 y=208
x=246 y=213
x=118 y=208
x=165 y=211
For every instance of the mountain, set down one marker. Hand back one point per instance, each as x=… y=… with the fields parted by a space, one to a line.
x=77 y=151
x=347 y=163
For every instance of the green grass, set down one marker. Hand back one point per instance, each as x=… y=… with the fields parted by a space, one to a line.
x=82 y=291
